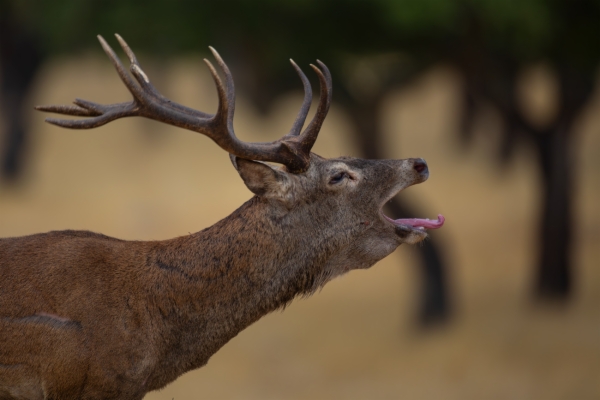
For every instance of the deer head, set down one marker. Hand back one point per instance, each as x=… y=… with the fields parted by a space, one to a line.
x=338 y=204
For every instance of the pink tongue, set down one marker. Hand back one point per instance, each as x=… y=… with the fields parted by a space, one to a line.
x=425 y=223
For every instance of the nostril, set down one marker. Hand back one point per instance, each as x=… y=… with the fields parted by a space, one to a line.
x=420 y=166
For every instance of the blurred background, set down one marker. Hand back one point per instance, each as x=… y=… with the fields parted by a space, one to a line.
x=500 y=97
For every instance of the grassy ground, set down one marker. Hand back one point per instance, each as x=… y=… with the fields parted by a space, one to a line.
x=136 y=179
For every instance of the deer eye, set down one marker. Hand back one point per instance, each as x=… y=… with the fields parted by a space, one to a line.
x=337 y=178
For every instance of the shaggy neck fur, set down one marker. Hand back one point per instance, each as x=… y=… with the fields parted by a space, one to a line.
x=218 y=281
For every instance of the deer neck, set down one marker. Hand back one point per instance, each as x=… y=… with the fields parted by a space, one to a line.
x=226 y=277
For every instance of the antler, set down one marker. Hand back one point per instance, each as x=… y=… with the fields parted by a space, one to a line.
x=292 y=150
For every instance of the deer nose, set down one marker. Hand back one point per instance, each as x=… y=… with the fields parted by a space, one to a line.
x=420 y=166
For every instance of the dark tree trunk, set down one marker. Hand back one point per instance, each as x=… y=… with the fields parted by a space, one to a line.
x=434 y=306
x=20 y=58
x=553 y=271
x=554 y=147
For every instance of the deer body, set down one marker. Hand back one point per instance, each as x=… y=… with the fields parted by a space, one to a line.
x=86 y=316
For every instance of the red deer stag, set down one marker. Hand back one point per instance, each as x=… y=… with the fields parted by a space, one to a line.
x=86 y=316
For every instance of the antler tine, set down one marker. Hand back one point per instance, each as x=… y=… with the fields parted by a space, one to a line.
x=226 y=102
x=228 y=77
x=128 y=51
x=303 y=112
x=68 y=110
x=223 y=108
x=135 y=90
x=88 y=123
x=309 y=135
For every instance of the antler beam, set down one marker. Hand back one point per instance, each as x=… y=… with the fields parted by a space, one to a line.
x=292 y=150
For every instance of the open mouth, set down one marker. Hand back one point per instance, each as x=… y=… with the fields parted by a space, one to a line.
x=420 y=224
x=417 y=223
x=406 y=225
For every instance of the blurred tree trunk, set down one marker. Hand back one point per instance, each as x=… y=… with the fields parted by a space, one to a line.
x=20 y=59
x=556 y=225
x=554 y=148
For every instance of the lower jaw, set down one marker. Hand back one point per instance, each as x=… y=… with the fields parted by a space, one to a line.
x=414 y=235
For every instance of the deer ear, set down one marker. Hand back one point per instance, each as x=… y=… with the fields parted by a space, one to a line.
x=259 y=177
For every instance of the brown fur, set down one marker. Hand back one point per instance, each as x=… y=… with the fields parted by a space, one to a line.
x=86 y=316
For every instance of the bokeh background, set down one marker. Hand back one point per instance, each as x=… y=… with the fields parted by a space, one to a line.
x=500 y=97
